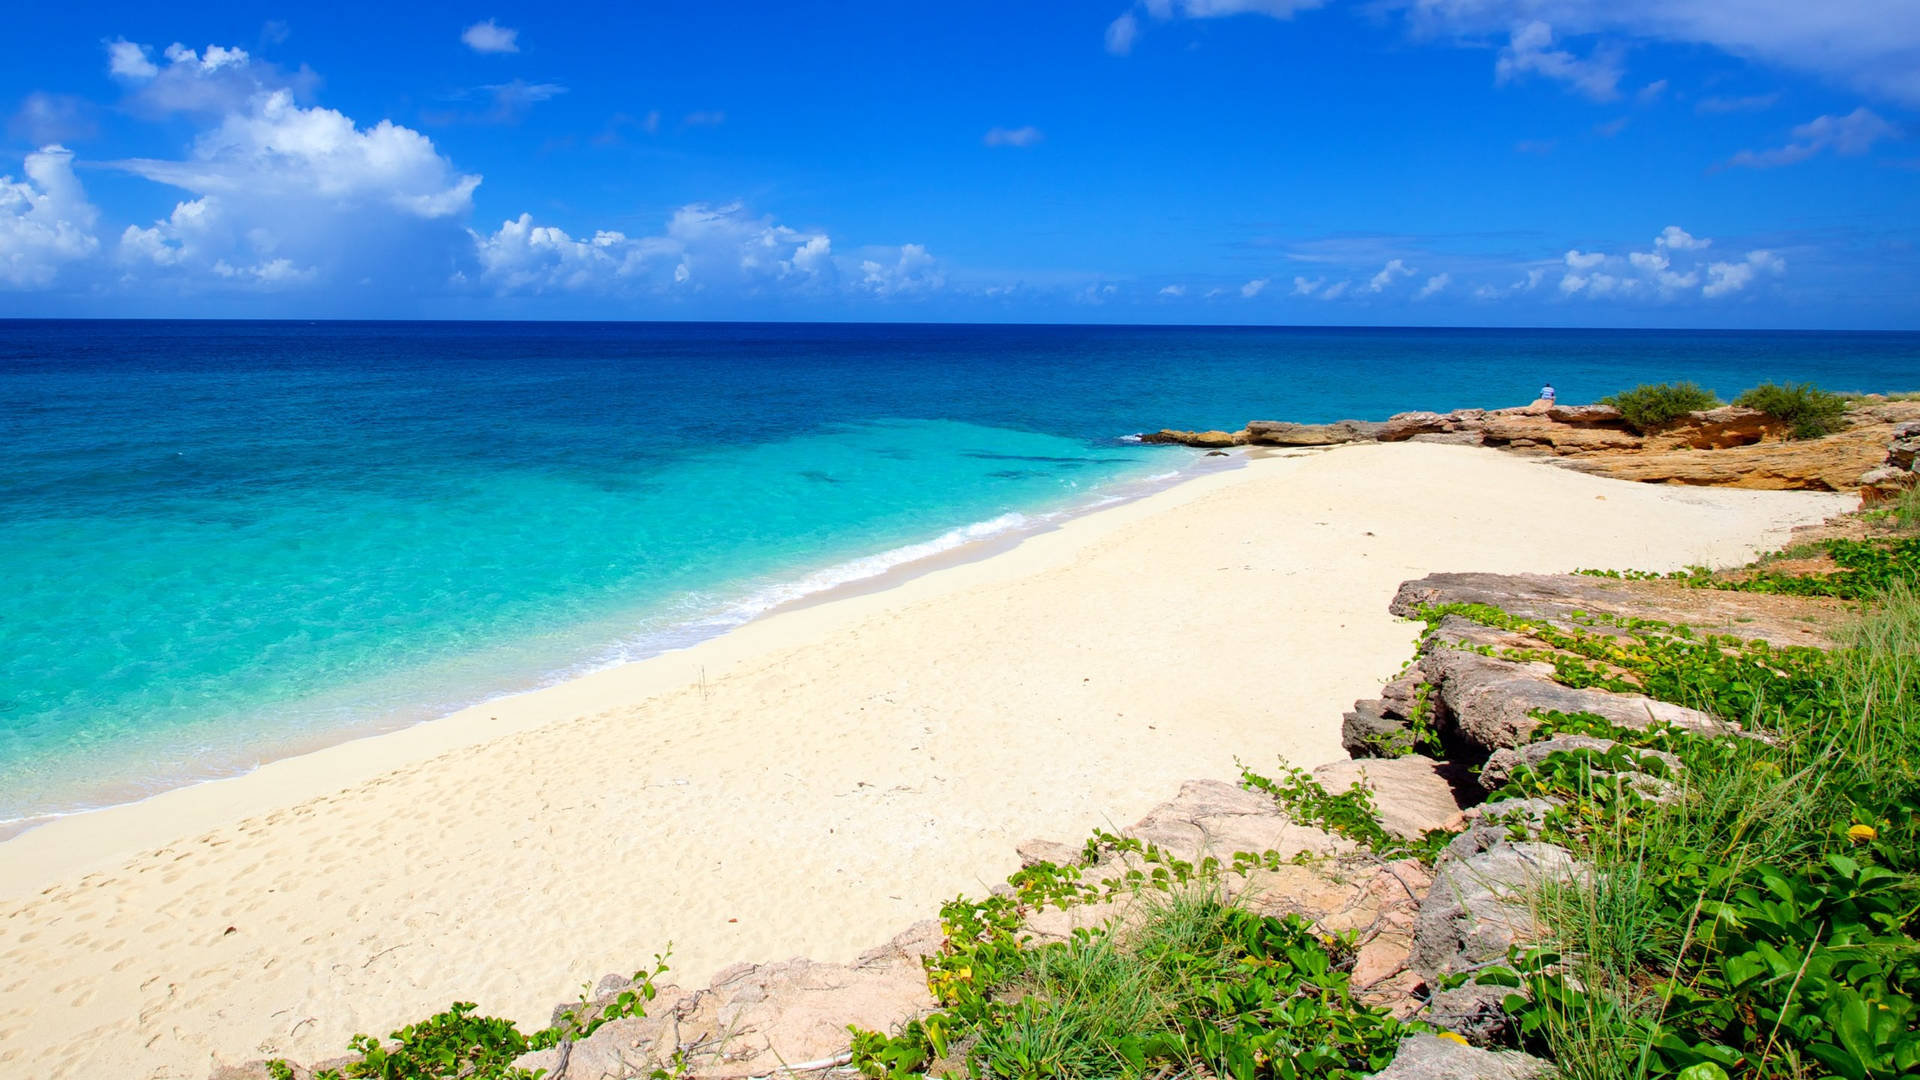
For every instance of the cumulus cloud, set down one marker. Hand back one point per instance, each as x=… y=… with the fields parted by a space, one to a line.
x=217 y=79
x=1175 y=291
x=1727 y=278
x=1121 y=32
x=1434 y=285
x=285 y=195
x=491 y=37
x=1530 y=51
x=1854 y=133
x=1020 y=136
x=1395 y=269
x=1307 y=286
x=702 y=248
x=1335 y=291
x=46 y=221
x=1671 y=269
x=1254 y=288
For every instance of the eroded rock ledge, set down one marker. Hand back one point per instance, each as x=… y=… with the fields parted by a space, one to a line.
x=1724 y=447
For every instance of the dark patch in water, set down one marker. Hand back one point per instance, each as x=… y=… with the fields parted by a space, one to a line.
x=817 y=475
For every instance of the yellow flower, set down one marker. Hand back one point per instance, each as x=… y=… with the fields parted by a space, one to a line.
x=1454 y=1036
x=1860 y=834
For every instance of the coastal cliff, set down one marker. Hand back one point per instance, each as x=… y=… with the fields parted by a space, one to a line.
x=1729 y=446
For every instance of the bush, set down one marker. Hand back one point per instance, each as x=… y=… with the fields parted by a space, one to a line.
x=1810 y=411
x=1650 y=405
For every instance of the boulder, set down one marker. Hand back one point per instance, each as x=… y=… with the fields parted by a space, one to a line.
x=1434 y=1057
x=1413 y=794
x=1213 y=817
x=1479 y=906
x=1903 y=446
x=1468 y=437
x=1587 y=415
x=1542 y=431
x=1367 y=731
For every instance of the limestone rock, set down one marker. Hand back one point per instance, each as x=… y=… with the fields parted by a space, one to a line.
x=1478 y=906
x=1490 y=701
x=1413 y=794
x=1904 y=446
x=1431 y=1057
x=1212 y=817
x=1205 y=439
x=1554 y=598
x=1367 y=731
x=1450 y=438
x=1716 y=429
x=1281 y=433
x=1499 y=767
x=1404 y=426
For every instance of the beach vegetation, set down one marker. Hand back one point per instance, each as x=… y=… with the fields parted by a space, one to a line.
x=1651 y=405
x=1808 y=411
x=1757 y=912
x=1187 y=984
x=459 y=1045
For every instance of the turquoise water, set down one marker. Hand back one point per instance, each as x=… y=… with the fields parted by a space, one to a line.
x=223 y=542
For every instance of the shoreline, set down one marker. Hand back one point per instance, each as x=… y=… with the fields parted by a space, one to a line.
x=794 y=784
x=713 y=626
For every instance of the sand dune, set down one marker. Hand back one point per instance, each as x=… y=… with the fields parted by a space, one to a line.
x=806 y=784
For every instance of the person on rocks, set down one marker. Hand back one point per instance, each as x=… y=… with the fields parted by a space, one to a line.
x=1546 y=393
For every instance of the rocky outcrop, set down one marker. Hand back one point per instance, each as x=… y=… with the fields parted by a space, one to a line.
x=1897 y=473
x=1435 y=1057
x=1727 y=446
x=1556 y=598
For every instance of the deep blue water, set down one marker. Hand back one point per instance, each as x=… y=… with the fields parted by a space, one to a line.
x=225 y=541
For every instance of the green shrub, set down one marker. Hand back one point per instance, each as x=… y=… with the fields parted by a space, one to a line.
x=1810 y=411
x=1650 y=405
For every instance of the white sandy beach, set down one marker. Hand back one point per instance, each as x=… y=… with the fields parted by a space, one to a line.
x=807 y=784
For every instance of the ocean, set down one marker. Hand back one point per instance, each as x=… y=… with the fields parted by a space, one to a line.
x=223 y=542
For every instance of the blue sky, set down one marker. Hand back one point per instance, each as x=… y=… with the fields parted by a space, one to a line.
x=1430 y=162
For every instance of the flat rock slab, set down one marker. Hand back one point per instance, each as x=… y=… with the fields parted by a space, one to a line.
x=1414 y=794
x=1478 y=906
x=1777 y=620
x=1491 y=702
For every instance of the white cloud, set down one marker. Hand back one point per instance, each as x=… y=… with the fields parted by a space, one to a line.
x=1853 y=133
x=1175 y=291
x=277 y=149
x=1579 y=260
x=1254 y=288
x=1725 y=279
x=1335 y=291
x=46 y=221
x=1871 y=45
x=1306 y=287
x=1395 y=268
x=126 y=60
x=914 y=271
x=1529 y=51
x=491 y=37
x=1020 y=136
x=702 y=247
x=1433 y=286
x=1651 y=92
x=285 y=195
x=1648 y=261
x=1123 y=31
x=1675 y=238
x=215 y=80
